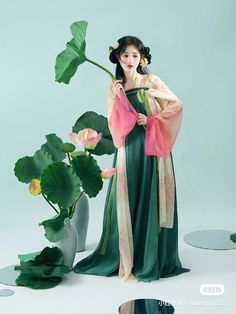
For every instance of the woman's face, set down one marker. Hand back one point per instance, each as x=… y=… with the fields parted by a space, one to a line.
x=129 y=59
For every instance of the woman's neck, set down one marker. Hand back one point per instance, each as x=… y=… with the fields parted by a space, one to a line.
x=132 y=77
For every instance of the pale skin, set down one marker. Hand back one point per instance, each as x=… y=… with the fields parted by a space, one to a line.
x=131 y=56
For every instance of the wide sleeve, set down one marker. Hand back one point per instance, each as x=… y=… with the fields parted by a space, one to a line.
x=121 y=116
x=162 y=128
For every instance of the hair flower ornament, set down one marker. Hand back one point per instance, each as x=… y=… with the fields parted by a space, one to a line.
x=115 y=45
x=144 y=62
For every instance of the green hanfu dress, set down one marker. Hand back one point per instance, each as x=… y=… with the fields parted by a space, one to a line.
x=154 y=248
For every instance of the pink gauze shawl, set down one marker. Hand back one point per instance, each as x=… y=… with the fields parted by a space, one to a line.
x=161 y=130
x=163 y=125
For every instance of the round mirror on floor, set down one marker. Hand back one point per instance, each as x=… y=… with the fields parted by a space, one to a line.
x=211 y=239
x=6 y=292
x=146 y=306
x=8 y=275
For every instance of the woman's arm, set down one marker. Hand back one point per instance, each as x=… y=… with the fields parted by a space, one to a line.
x=162 y=127
x=121 y=116
x=161 y=91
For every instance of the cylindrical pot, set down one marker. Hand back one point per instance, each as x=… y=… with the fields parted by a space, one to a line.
x=80 y=221
x=68 y=244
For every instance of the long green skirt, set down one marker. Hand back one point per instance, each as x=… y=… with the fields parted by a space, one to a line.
x=155 y=249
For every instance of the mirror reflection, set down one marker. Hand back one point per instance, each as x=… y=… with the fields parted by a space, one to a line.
x=146 y=306
x=210 y=239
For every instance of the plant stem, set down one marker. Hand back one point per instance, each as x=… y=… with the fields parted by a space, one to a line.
x=70 y=211
x=73 y=208
x=101 y=67
x=69 y=158
x=50 y=203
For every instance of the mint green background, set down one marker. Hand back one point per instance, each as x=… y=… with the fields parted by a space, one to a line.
x=193 y=50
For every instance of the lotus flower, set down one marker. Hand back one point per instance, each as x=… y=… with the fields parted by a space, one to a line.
x=35 y=187
x=108 y=172
x=115 y=45
x=88 y=138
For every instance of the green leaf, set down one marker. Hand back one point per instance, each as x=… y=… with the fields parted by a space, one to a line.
x=90 y=174
x=233 y=237
x=78 y=30
x=28 y=257
x=91 y=119
x=29 y=168
x=69 y=59
x=61 y=184
x=67 y=63
x=54 y=227
x=54 y=146
x=68 y=147
x=36 y=282
x=49 y=256
x=110 y=49
x=140 y=95
x=78 y=153
x=42 y=271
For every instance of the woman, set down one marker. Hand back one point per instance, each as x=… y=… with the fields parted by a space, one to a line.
x=139 y=239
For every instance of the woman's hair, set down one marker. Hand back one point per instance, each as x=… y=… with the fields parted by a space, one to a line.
x=123 y=43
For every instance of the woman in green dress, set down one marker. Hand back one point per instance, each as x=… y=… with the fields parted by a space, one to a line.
x=139 y=240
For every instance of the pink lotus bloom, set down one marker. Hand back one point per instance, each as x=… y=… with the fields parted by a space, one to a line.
x=115 y=45
x=108 y=172
x=88 y=138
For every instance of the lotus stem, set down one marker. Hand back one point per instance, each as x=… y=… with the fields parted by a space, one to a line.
x=101 y=67
x=73 y=208
x=50 y=204
x=69 y=158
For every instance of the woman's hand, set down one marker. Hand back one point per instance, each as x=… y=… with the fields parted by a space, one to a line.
x=116 y=87
x=142 y=119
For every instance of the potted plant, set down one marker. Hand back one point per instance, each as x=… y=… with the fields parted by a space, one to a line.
x=62 y=183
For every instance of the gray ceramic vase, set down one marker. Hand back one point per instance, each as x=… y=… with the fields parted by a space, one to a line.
x=80 y=221
x=68 y=244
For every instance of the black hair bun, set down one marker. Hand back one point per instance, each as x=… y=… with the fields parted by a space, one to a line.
x=147 y=54
x=113 y=57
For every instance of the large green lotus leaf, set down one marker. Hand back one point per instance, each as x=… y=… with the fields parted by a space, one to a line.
x=67 y=63
x=37 y=282
x=61 y=184
x=69 y=59
x=44 y=270
x=233 y=237
x=91 y=119
x=48 y=263
x=49 y=256
x=54 y=227
x=54 y=146
x=90 y=174
x=29 y=168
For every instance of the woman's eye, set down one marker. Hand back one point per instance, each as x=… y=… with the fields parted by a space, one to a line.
x=126 y=56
